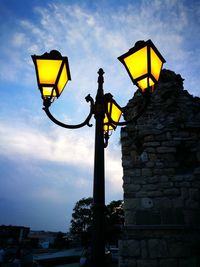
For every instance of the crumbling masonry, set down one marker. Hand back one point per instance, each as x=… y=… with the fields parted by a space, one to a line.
x=161 y=179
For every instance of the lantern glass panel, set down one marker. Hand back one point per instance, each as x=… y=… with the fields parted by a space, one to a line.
x=107 y=127
x=63 y=79
x=137 y=63
x=47 y=91
x=115 y=114
x=143 y=84
x=156 y=64
x=48 y=70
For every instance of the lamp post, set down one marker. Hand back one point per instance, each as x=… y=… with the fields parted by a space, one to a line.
x=143 y=63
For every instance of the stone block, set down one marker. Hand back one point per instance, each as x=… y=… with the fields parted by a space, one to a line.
x=169 y=263
x=184 y=193
x=150 y=149
x=124 y=134
x=147 y=263
x=159 y=164
x=152 y=156
x=154 y=193
x=172 y=216
x=127 y=262
x=129 y=217
x=138 y=180
x=131 y=187
x=197 y=184
x=189 y=177
x=192 y=217
x=192 y=204
x=188 y=263
x=177 y=178
x=151 y=144
x=141 y=194
x=171 y=143
x=147 y=217
x=162 y=137
x=163 y=202
x=153 y=180
x=158 y=248
x=134 y=172
x=147 y=172
x=178 y=249
x=194 y=193
x=164 y=178
x=197 y=171
x=131 y=203
x=130 y=248
x=163 y=171
x=172 y=192
x=134 y=156
x=168 y=171
x=150 y=164
x=149 y=138
x=144 y=250
x=134 y=249
x=183 y=184
x=150 y=187
x=166 y=149
x=166 y=185
x=126 y=163
x=157 y=171
x=178 y=202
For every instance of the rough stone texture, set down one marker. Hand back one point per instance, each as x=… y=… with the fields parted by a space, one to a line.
x=161 y=165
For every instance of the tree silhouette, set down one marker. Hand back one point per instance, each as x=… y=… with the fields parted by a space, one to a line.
x=82 y=219
x=81 y=222
x=114 y=221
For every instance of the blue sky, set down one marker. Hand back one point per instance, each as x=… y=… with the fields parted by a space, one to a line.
x=45 y=169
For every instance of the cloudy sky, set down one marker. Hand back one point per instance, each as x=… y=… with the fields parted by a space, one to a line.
x=45 y=169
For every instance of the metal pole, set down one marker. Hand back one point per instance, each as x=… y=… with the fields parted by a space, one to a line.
x=98 y=239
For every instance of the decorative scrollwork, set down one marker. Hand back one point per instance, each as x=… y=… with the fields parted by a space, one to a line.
x=88 y=98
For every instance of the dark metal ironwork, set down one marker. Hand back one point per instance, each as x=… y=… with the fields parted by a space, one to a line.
x=99 y=109
x=146 y=98
x=47 y=103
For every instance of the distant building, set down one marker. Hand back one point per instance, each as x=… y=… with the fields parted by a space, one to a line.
x=13 y=234
x=42 y=238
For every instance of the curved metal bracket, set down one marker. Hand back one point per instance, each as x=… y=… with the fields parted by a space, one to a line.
x=47 y=103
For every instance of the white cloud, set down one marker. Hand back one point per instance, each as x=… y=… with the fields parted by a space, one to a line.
x=19 y=39
x=114 y=170
x=60 y=146
x=55 y=146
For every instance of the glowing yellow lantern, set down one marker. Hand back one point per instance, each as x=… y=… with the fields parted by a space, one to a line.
x=143 y=63
x=112 y=114
x=52 y=71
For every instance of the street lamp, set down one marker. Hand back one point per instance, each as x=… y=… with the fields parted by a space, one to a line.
x=143 y=63
x=52 y=71
x=149 y=63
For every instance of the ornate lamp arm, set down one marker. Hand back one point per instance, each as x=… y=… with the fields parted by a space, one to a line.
x=47 y=104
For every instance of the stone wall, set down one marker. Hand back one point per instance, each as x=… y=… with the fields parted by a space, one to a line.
x=161 y=179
